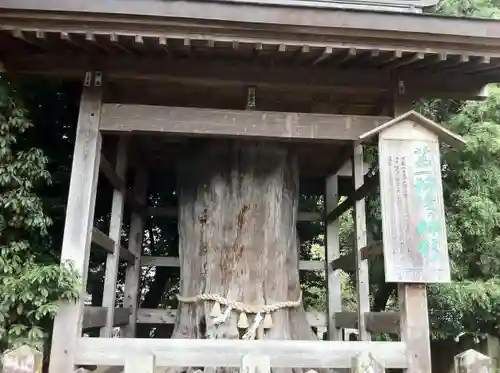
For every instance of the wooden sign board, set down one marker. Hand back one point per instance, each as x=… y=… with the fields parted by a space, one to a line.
x=413 y=221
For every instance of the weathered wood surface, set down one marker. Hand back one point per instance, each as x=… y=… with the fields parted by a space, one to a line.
x=471 y=361
x=375 y=322
x=359 y=218
x=414 y=326
x=249 y=191
x=165 y=261
x=115 y=225
x=255 y=363
x=246 y=123
x=228 y=353
x=347 y=262
x=105 y=242
x=167 y=316
x=413 y=221
x=332 y=251
x=133 y=272
x=366 y=363
x=23 y=359
x=95 y=317
x=140 y=363
x=78 y=225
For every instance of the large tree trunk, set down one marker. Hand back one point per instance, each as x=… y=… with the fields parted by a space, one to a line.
x=237 y=236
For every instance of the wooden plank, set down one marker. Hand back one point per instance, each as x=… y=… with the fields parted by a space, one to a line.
x=359 y=218
x=415 y=326
x=347 y=262
x=115 y=225
x=228 y=353
x=95 y=317
x=171 y=212
x=370 y=184
x=78 y=225
x=140 y=363
x=105 y=242
x=133 y=272
x=167 y=316
x=413 y=221
x=376 y=322
x=332 y=252
x=165 y=261
x=242 y=123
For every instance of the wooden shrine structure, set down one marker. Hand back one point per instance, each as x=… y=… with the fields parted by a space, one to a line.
x=327 y=75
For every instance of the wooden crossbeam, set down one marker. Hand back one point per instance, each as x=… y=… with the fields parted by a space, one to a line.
x=165 y=261
x=376 y=322
x=105 y=242
x=232 y=123
x=95 y=317
x=370 y=184
x=228 y=353
x=347 y=262
x=171 y=212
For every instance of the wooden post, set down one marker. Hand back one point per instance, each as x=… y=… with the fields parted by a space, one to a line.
x=365 y=363
x=79 y=221
x=332 y=252
x=133 y=273
x=472 y=361
x=140 y=364
x=23 y=359
x=255 y=363
x=113 y=259
x=362 y=279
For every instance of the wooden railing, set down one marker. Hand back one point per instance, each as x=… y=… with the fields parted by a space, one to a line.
x=144 y=355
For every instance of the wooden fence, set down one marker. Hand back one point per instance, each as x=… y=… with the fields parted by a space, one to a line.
x=28 y=360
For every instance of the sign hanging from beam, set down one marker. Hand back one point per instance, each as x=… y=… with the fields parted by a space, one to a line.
x=413 y=220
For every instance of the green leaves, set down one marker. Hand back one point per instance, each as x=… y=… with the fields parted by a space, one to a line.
x=30 y=288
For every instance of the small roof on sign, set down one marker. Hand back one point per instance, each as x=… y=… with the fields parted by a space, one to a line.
x=442 y=133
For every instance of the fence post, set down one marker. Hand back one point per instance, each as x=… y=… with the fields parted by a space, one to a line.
x=365 y=363
x=472 y=361
x=145 y=363
x=255 y=363
x=23 y=359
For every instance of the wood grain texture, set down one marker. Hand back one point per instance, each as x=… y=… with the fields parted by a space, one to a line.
x=78 y=226
x=359 y=218
x=332 y=252
x=95 y=317
x=375 y=322
x=228 y=353
x=413 y=221
x=231 y=123
x=140 y=363
x=115 y=225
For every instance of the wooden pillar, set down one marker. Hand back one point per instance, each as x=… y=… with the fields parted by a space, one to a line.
x=79 y=222
x=136 y=235
x=332 y=252
x=414 y=314
x=362 y=279
x=113 y=259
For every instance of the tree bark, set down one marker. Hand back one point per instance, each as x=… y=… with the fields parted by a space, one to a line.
x=237 y=237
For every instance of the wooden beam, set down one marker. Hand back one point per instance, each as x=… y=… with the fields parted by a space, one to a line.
x=115 y=225
x=347 y=262
x=165 y=261
x=105 y=242
x=228 y=353
x=376 y=322
x=171 y=212
x=79 y=217
x=359 y=218
x=332 y=252
x=232 y=123
x=133 y=272
x=95 y=317
x=361 y=192
x=167 y=316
